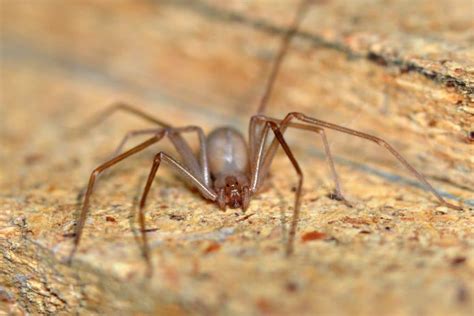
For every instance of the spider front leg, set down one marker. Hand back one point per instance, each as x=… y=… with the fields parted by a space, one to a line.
x=257 y=172
x=180 y=144
x=271 y=151
x=130 y=135
x=205 y=190
x=182 y=147
x=185 y=151
x=93 y=177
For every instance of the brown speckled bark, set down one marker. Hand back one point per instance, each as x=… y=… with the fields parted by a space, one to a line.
x=402 y=70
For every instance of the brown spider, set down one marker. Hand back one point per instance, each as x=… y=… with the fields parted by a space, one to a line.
x=227 y=170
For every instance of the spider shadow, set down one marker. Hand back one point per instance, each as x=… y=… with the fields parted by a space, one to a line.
x=283 y=206
x=133 y=212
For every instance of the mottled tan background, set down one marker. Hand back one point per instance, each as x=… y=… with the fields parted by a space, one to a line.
x=402 y=70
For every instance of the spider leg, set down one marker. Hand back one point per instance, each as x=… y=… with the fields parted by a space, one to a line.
x=200 y=168
x=130 y=135
x=327 y=150
x=257 y=148
x=377 y=140
x=380 y=142
x=207 y=192
x=95 y=173
x=257 y=174
x=257 y=140
x=159 y=134
x=117 y=107
x=285 y=43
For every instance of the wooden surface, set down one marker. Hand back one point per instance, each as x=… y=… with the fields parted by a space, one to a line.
x=402 y=70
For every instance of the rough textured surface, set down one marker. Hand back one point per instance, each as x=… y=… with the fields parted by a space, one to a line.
x=402 y=70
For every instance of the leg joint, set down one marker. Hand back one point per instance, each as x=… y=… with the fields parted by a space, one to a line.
x=259 y=117
x=95 y=172
x=158 y=157
x=297 y=115
x=381 y=142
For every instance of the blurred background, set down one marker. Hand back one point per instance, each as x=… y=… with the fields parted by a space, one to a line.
x=401 y=70
x=397 y=69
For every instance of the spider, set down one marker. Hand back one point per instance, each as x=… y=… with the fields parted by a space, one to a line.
x=228 y=170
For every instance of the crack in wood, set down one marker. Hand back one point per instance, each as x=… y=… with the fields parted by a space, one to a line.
x=259 y=24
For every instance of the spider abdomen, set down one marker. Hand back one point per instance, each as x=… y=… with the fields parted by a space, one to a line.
x=227 y=152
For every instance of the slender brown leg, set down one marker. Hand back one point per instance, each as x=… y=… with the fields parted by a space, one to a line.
x=296 y=211
x=116 y=107
x=258 y=131
x=327 y=150
x=256 y=174
x=380 y=142
x=269 y=155
x=131 y=134
x=189 y=160
x=281 y=54
x=377 y=140
x=92 y=179
x=202 y=187
x=272 y=148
